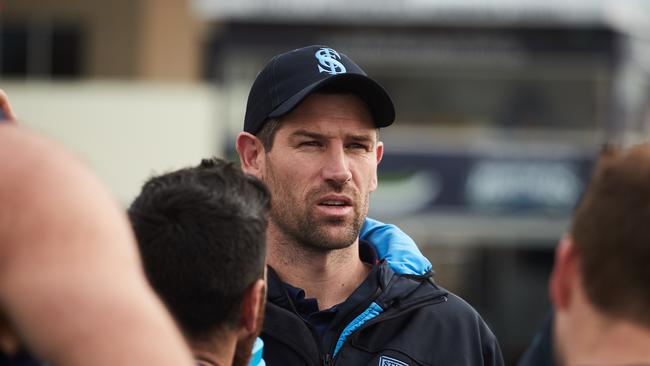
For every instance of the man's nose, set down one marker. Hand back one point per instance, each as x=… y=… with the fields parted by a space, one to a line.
x=336 y=169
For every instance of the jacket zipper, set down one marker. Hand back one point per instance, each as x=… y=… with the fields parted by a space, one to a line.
x=327 y=357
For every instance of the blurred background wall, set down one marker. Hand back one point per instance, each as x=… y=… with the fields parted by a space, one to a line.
x=501 y=108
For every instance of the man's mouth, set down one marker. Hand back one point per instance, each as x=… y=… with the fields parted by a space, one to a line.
x=335 y=201
x=335 y=206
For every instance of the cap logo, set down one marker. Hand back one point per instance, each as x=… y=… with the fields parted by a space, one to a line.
x=329 y=61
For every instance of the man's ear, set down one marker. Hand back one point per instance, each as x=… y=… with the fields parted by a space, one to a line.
x=252 y=305
x=564 y=273
x=251 y=154
x=380 y=151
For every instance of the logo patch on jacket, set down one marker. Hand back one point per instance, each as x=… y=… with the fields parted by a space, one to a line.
x=387 y=361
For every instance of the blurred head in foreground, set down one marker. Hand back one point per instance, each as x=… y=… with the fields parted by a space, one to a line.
x=201 y=233
x=600 y=286
x=72 y=290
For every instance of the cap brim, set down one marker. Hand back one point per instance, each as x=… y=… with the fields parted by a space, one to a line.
x=378 y=100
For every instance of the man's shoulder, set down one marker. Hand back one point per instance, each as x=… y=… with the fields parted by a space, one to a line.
x=456 y=305
x=444 y=308
x=428 y=318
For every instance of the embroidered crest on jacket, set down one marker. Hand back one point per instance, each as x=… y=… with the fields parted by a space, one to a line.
x=387 y=361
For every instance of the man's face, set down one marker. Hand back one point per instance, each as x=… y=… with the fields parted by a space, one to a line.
x=321 y=170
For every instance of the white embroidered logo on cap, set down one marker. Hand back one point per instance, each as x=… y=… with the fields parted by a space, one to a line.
x=387 y=361
x=328 y=60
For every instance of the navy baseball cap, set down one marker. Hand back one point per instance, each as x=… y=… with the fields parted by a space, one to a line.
x=288 y=78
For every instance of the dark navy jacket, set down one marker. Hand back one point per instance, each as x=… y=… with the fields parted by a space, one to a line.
x=540 y=351
x=22 y=358
x=406 y=320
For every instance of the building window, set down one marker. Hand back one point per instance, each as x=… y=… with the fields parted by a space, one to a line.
x=45 y=50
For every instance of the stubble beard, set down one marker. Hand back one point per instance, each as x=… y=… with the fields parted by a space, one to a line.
x=313 y=234
x=297 y=221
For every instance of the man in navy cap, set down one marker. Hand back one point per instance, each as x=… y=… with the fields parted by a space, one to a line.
x=311 y=134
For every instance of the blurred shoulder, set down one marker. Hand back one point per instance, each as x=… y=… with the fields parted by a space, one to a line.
x=44 y=186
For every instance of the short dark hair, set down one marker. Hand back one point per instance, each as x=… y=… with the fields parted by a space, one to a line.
x=267 y=134
x=202 y=237
x=611 y=231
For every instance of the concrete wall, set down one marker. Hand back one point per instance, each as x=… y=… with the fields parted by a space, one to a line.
x=170 y=41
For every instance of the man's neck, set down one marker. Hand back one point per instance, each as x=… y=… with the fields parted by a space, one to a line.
x=599 y=340
x=328 y=276
x=218 y=350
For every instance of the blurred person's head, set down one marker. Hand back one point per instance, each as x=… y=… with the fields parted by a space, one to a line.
x=72 y=289
x=600 y=286
x=201 y=233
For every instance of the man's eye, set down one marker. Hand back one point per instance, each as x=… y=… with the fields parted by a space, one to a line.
x=357 y=146
x=310 y=143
